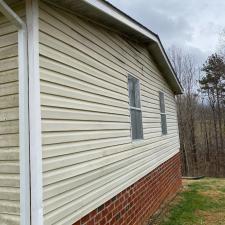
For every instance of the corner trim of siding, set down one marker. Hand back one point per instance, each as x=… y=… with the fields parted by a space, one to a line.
x=24 y=129
x=32 y=17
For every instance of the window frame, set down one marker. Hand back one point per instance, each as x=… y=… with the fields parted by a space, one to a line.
x=135 y=108
x=163 y=113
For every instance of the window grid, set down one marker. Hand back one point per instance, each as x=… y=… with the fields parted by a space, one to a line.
x=135 y=108
x=163 y=113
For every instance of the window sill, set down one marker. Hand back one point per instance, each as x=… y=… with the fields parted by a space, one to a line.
x=136 y=140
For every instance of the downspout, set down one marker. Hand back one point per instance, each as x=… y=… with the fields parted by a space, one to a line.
x=25 y=212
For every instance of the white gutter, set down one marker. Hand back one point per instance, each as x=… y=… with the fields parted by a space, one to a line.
x=23 y=112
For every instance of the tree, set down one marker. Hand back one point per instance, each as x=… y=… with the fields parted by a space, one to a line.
x=186 y=70
x=213 y=85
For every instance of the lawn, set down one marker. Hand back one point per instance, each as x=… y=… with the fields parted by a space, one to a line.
x=201 y=202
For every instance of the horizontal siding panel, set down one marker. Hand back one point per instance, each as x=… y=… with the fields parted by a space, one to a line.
x=74 y=170
x=89 y=33
x=9 y=193
x=8 y=76
x=88 y=144
x=77 y=64
x=75 y=136
x=9 y=154
x=9 y=39
x=95 y=196
x=97 y=47
x=9 y=167
x=9 y=124
x=9 y=140
x=9 y=219
x=78 y=35
x=93 y=175
x=9 y=127
x=70 y=103
x=59 y=90
x=77 y=181
x=57 y=125
x=83 y=48
x=88 y=154
x=108 y=195
x=69 y=81
x=72 y=114
x=9 y=89
x=8 y=114
x=6 y=28
x=96 y=79
x=72 y=159
x=80 y=47
x=53 y=203
x=9 y=207
x=8 y=64
x=8 y=51
x=76 y=54
x=9 y=180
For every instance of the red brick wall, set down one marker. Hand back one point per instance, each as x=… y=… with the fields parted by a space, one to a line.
x=136 y=204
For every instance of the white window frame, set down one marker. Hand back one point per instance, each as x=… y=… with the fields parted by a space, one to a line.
x=135 y=108
x=163 y=113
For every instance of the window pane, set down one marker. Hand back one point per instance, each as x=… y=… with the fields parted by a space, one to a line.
x=134 y=92
x=136 y=124
x=162 y=103
x=163 y=124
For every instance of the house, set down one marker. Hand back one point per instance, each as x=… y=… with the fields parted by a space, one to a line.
x=88 y=124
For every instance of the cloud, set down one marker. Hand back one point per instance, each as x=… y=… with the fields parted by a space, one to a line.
x=191 y=24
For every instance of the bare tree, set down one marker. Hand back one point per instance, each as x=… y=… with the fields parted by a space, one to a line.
x=184 y=65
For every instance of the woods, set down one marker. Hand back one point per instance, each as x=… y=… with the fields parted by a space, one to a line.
x=201 y=111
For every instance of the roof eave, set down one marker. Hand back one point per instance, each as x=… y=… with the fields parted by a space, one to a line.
x=154 y=39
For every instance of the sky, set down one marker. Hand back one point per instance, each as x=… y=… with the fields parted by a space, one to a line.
x=193 y=25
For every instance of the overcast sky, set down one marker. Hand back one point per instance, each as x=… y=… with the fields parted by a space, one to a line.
x=191 y=24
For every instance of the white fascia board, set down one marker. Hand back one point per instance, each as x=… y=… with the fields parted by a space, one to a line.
x=32 y=17
x=104 y=7
x=116 y=14
x=169 y=65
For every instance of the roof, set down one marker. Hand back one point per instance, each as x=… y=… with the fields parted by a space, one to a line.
x=106 y=14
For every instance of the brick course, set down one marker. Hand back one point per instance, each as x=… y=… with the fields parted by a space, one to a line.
x=136 y=204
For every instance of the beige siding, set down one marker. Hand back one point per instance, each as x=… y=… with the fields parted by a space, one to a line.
x=88 y=155
x=9 y=125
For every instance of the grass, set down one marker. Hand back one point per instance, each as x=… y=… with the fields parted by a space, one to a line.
x=202 y=202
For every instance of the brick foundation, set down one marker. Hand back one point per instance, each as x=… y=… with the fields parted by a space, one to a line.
x=136 y=204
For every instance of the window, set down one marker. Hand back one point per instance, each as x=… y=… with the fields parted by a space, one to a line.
x=135 y=108
x=163 y=113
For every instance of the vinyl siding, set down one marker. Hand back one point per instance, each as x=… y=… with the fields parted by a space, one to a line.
x=88 y=155
x=9 y=125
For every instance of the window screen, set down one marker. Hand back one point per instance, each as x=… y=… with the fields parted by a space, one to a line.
x=163 y=113
x=135 y=108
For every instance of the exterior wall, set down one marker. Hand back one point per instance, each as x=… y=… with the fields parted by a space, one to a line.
x=9 y=125
x=88 y=154
x=137 y=203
